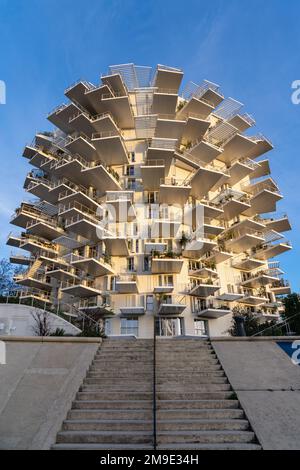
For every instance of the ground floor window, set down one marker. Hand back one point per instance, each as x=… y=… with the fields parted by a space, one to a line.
x=130 y=326
x=169 y=326
x=201 y=328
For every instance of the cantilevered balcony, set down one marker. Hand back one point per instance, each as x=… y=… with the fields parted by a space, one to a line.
x=162 y=149
x=80 y=288
x=77 y=92
x=116 y=244
x=200 y=99
x=155 y=246
x=41 y=188
x=273 y=249
x=232 y=202
x=203 y=288
x=163 y=288
x=83 y=222
x=89 y=125
x=242 y=239
x=218 y=254
x=258 y=279
x=131 y=305
x=198 y=246
x=280 y=287
x=262 y=145
x=19 y=258
x=212 y=227
x=207 y=178
x=61 y=115
x=80 y=144
x=35 y=295
x=168 y=127
x=62 y=274
x=165 y=264
x=92 y=263
x=253 y=299
x=153 y=172
x=264 y=196
x=79 y=194
x=240 y=169
x=115 y=83
x=171 y=305
x=201 y=270
x=277 y=222
x=109 y=144
x=194 y=129
x=36 y=281
x=119 y=106
x=164 y=100
x=262 y=169
x=174 y=191
x=242 y=121
x=167 y=77
x=203 y=152
x=46 y=228
x=120 y=205
x=210 y=309
x=246 y=263
x=24 y=214
x=239 y=146
x=126 y=284
x=35 y=244
x=98 y=306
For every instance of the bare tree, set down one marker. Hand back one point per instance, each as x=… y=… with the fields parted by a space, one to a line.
x=42 y=326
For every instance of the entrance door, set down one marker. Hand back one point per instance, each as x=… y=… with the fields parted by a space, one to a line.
x=169 y=326
x=201 y=328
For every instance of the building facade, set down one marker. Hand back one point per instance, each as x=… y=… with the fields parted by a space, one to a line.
x=154 y=207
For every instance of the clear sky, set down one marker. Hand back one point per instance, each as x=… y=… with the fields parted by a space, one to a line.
x=251 y=48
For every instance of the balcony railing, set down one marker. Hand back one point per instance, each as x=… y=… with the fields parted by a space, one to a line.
x=175 y=182
x=213 y=304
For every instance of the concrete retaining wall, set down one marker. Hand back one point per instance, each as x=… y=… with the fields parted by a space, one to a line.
x=37 y=386
x=267 y=384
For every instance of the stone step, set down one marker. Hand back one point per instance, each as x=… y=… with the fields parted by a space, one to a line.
x=108 y=425
x=197 y=404
x=204 y=437
x=120 y=384
x=113 y=404
x=98 y=388
x=93 y=371
x=95 y=394
x=189 y=395
x=195 y=446
x=102 y=446
x=105 y=437
x=119 y=414
x=186 y=375
x=172 y=362
x=205 y=413
x=203 y=425
x=189 y=368
x=145 y=378
x=201 y=387
x=191 y=380
x=109 y=395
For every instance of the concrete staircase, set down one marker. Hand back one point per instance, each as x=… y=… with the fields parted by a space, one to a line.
x=113 y=408
x=196 y=407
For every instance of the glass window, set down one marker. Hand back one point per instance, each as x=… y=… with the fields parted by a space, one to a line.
x=130 y=264
x=130 y=326
x=200 y=327
x=149 y=303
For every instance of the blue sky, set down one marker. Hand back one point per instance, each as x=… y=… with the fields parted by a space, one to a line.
x=251 y=48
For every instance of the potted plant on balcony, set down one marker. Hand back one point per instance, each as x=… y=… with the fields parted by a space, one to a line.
x=184 y=240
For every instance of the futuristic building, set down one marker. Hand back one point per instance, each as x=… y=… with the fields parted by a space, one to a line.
x=153 y=205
